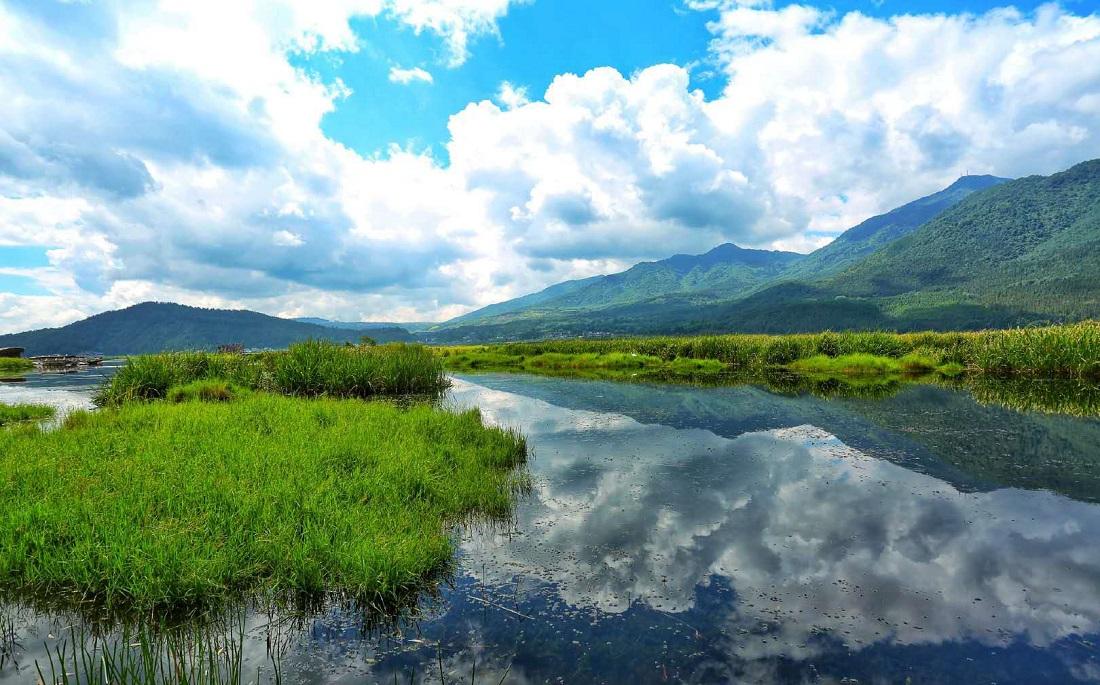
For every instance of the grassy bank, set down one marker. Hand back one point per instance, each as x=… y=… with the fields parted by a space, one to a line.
x=175 y=505
x=20 y=413
x=15 y=365
x=1070 y=351
x=309 y=369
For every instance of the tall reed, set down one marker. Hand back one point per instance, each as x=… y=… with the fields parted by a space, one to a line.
x=308 y=369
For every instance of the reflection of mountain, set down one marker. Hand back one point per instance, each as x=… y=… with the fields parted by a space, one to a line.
x=814 y=537
x=934 y=430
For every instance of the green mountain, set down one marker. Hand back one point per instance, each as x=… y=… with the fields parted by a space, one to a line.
x=982 y=253
x=160 y=326
x=878 y=231
x=1031 y=244
x=726 y=271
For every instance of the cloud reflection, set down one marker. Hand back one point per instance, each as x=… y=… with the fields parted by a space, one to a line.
x=815 y=538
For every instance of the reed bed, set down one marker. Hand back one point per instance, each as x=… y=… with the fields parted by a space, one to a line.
x=1066 y=351
x=308 y=369
x=164 y=506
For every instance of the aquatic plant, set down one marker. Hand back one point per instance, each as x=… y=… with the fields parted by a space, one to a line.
x=174 y=506
x=308 y=369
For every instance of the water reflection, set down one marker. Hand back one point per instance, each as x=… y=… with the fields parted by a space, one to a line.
x=734 y=535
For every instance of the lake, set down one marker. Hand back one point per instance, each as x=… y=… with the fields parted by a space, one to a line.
x=725 y=534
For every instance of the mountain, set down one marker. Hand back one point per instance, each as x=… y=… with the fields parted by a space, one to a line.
x=411 y=327
x=726 y=271
x=1031 y=244
x=984 y=252
x=878 y=231
x=160 y=326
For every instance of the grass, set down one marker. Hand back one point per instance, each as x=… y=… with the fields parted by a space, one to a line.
x=172 y=506
x=15 y=365
x=309 y=369
x=1068 y=351
x=21 y=413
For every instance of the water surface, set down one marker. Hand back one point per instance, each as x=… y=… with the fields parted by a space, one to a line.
x=680 y=534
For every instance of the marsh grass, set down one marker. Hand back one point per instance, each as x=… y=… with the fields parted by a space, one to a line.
x=207 y=655
x=15 y=365
x=21 y=413
x=209 y=390
x=309 y=369
x=172 y=507
x=1068 y=351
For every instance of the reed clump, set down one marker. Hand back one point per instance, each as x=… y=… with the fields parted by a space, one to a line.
x=308 y=369
x=22 y=413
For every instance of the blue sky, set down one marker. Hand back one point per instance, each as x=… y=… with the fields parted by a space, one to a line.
x=537 y=42
x=413 y=160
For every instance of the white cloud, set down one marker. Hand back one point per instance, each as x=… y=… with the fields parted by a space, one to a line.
x=512 y=96
x=172 y=150
x=412 y=75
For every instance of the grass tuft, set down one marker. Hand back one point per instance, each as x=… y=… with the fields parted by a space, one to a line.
x=15 y=365
x=21 y=413
x=212 y=390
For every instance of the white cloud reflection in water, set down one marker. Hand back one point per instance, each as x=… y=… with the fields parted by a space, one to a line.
x=815 y=537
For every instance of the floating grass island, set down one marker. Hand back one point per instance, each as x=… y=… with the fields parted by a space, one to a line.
x=227 y=487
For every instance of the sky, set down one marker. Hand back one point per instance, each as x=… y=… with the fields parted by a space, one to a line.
x=412 y=160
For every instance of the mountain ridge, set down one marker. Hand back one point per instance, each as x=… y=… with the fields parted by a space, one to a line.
x=150 y=327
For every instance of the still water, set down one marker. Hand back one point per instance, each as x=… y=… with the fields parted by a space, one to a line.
x=681 y=534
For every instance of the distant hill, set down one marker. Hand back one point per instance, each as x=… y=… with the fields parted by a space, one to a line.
x=984 y=252
x=160 y=326
x=726 y=271
x=1031 y=244
x=411 y=327
x=879 y=231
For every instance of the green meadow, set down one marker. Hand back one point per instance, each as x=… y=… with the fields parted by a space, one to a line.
x=188 y=489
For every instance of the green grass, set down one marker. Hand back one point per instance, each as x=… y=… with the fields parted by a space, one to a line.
x=15 y=365
x=1069 y=351
x=208 y=390
x=309 y=369
x=164 y=506
x=20 y=413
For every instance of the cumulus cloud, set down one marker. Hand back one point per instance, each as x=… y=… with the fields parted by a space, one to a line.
x=411 y=75
x=173 y=150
